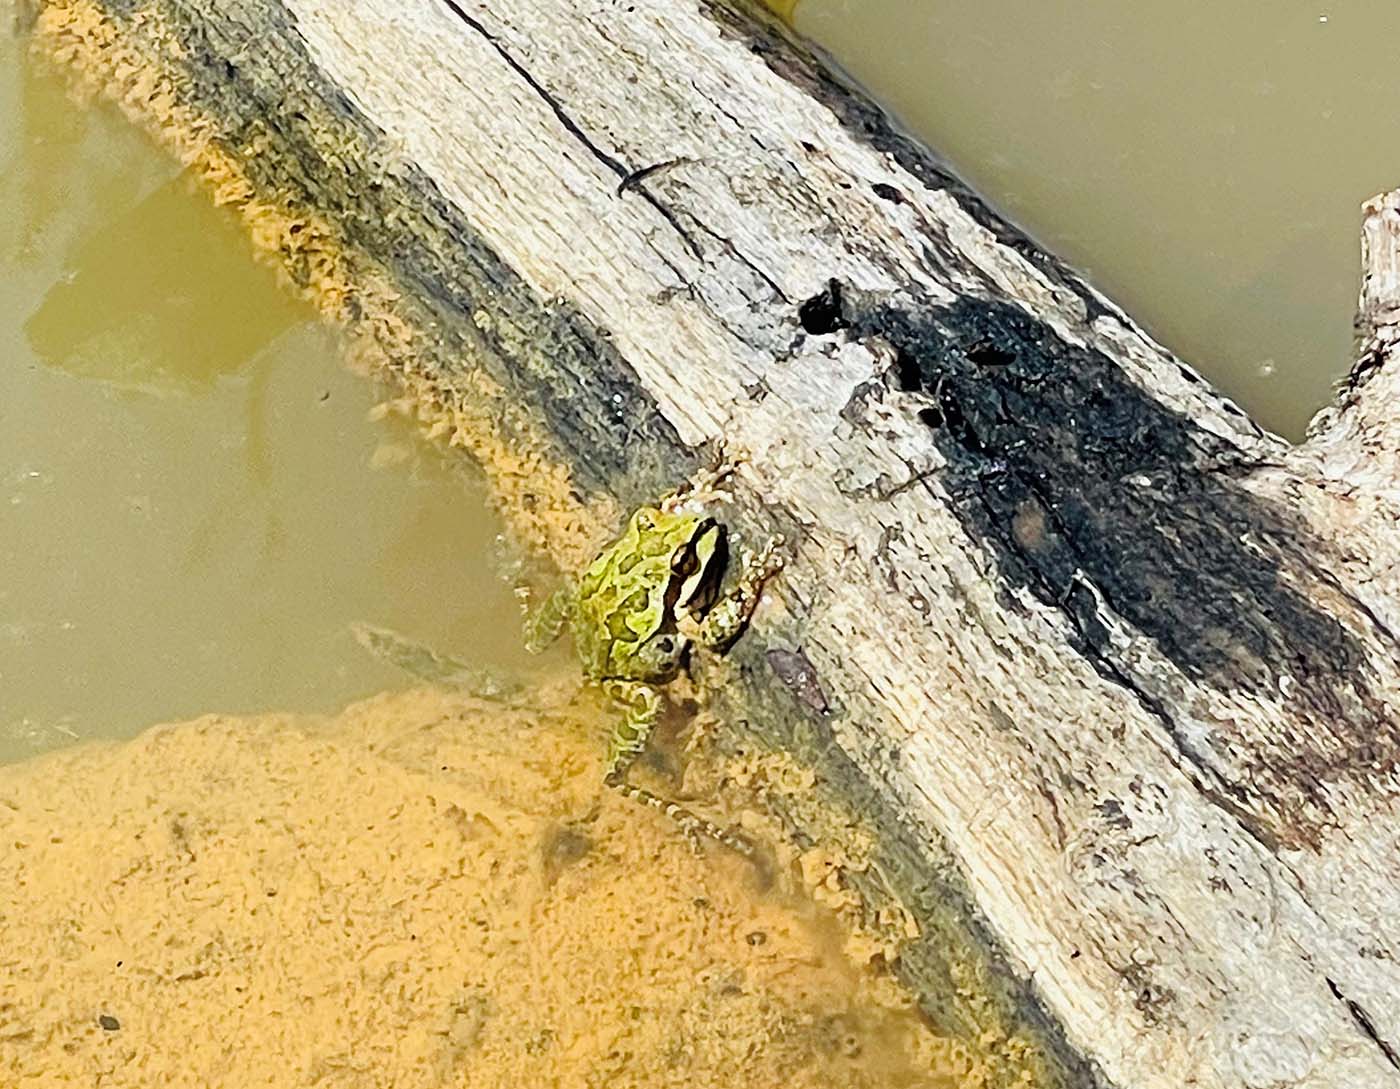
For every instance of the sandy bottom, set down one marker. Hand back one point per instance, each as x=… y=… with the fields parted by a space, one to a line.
x=423 y=891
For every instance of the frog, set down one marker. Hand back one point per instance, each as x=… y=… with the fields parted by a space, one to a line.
x=639 y=609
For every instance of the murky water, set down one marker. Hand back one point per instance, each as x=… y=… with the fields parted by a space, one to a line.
x=421 y=892
x=1202 y=162
x=194 y=506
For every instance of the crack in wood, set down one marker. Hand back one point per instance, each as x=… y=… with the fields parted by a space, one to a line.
x=727 y=246
x=630 y=180
x=635 y=179
x=574 y=129
x=1365 y=1024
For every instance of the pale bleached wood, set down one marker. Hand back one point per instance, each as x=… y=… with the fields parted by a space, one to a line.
x=1117 y=660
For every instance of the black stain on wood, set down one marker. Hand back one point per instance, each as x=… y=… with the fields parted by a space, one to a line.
x=822 y=314
x=1109 y=506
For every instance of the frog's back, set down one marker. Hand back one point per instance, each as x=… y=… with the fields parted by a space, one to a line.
x=622 y=602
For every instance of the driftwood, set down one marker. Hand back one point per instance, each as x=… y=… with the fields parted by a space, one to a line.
x=1112 y=672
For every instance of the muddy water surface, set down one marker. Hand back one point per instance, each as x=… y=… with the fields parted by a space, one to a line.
x=194 y=504
x=1202 y=162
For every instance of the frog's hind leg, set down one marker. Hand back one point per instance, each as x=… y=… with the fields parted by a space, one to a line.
x=427 y=664
x=629 y=739
x=542 y=627
x=692 y=825
x=629 y=736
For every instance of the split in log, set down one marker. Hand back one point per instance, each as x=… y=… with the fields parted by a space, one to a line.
x=1110 y=673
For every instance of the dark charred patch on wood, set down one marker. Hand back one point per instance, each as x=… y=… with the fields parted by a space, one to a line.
x=1109 y=506
x=822 y=313
x=317 y=149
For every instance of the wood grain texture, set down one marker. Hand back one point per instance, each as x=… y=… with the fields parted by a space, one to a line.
x=1112 y=671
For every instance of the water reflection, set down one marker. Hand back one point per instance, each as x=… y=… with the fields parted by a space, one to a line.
x=194 y=506
x=187 y=306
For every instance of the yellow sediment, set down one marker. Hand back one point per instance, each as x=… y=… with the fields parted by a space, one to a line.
x=422 y=891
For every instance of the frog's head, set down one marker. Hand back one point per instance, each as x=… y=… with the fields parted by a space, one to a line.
x=664 y=566
x=692 y=550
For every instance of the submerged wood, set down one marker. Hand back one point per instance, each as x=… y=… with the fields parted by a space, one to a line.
x=1111 y=671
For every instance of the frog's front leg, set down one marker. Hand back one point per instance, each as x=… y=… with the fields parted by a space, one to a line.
x=542 y=627
x=723 y=623
x=629 y=736
x=705 y=486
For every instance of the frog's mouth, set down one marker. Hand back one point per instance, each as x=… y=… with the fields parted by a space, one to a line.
x=699 y=568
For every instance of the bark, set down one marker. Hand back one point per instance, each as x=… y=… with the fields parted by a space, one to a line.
x=1111 y=672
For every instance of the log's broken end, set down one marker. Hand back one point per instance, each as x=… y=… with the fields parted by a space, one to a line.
x=1357 y=439
x=1378 y=312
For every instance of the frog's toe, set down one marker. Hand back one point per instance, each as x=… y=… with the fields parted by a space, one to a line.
x=769 y=559
x=706 y=485
x=544 y=625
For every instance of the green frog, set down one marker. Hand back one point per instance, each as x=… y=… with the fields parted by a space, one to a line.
x=635 y=613
x=638 y=609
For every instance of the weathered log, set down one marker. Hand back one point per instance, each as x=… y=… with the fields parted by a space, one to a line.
x=1110 y=672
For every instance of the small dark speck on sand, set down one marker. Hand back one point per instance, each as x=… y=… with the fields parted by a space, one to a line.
x=108 y=1022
